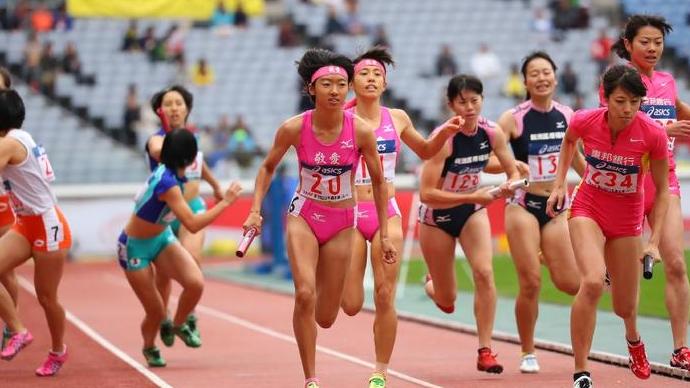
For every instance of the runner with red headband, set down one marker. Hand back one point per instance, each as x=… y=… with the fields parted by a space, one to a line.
x=329 y=143
x=393 y=126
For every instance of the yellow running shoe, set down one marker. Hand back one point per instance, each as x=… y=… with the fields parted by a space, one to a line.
x=377 y=380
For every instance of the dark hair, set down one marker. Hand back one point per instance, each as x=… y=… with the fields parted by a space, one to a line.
x=12 y=112
x=463 y=82
x=7 y=79
x=632 y=27
x=316 y=58
x=378 y=53
x=536 y=55
x=179 y=149
x=157 y=99
x=626 y=77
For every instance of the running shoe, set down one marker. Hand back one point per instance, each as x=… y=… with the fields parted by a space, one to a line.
x=529 y=363
x=17 y=342
x=187 y=336
x=486 y=361
x=377 y=380
x=312 y=383
x=6 y=334
x=583 y=382
x=191 y=322
x=153 y=357
x=445 y=309
x=51 y=366
x=681 y=359
x=638 y=361
x=167 y=333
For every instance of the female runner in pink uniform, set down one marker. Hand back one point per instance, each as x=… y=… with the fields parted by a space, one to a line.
x=392 y=127
x=329 y=142
x=622 y=145
x=642 y=43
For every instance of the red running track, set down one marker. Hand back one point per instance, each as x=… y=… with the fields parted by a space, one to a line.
x=248 y=342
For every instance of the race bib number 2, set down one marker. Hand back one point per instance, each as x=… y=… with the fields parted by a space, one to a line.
x=44 y=163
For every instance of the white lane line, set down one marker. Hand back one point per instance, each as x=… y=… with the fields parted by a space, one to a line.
x=93 y=334
x=331 y=352
x=287 y=338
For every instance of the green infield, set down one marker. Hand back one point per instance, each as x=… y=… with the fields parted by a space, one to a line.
x=651 y=293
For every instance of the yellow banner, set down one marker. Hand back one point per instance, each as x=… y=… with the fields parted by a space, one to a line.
x=178 y=9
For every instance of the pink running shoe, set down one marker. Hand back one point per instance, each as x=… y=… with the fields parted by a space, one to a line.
x=51 y=366
x=17 y=342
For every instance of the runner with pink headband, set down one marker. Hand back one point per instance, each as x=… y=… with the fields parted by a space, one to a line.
x=392 y=127
x=329 y=143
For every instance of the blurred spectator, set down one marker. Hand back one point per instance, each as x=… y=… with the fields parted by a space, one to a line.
x=578 y=102
x=241 y=18
x=42 y=19
x=130 y=42
x=174 y=44
x=333 y=23
x=147 y=42
x=601 y=51
x=70 y=60
x=4 y=16
x=49 y=67
x=569 y=80
x=445 y=62
x=514 y=86
x=287 y=36
x=62 y=21
x=202 y=74
x=21 y=16
x=181 y=74
x=132 y=115
x=241 y=145
x=32 y=60
x=351 y=21
x=542 y=25
x=381 y=37
x=222 y=20
x=485 y=63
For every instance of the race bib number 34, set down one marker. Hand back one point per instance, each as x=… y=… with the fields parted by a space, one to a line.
x=612 y=177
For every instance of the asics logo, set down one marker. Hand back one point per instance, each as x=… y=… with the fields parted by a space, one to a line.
x=318 y=217
x=441 y=219
x=346 y=144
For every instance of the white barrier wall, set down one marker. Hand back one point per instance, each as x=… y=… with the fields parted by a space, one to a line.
x=97 y=213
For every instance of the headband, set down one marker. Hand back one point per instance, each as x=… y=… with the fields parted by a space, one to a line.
x=370 y=62
x=329 y=70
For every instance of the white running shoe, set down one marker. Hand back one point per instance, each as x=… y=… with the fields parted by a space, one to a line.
x=529 y=363
x=583 y=382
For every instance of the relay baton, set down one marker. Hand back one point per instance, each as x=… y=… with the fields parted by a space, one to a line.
x=247 y=239
x=164 y=120
x=647 y=266
x=513 y=185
